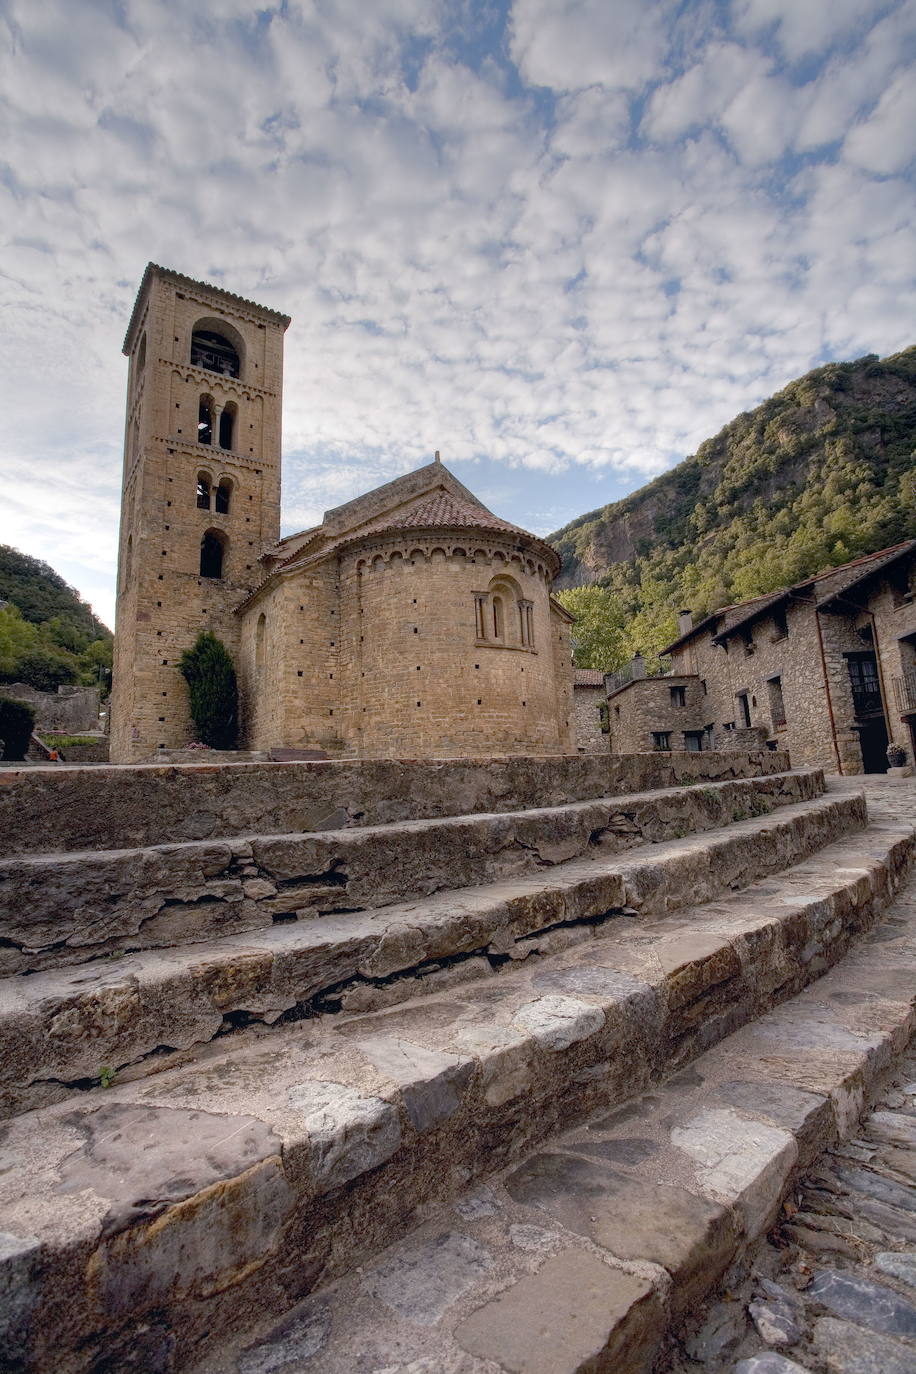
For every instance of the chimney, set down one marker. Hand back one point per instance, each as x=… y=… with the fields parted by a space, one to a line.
x=639 y=667
x=684 y=622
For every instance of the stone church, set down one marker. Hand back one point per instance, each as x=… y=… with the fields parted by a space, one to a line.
x=412 y=622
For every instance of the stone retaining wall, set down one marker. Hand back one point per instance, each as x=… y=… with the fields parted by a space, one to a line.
x=45 y=810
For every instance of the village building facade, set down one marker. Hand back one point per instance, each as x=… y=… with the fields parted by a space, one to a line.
x=825 y=669
x=590 y=713
x=411 y=622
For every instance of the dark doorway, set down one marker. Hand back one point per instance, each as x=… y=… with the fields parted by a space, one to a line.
x=873 y=743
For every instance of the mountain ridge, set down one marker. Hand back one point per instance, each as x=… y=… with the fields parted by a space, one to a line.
x=816 y=475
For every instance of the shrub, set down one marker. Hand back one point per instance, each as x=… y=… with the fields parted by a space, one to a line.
x=210 y=675
x=17 y=720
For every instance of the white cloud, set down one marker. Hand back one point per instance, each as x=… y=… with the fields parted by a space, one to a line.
x=886 y=141
x=570 y=44
x=804 y=27
x=473 y=262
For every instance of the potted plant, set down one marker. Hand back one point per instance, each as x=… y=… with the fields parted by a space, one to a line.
x=896 y=756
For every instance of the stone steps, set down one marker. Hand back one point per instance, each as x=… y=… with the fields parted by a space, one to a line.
x=58 y=809
x=601 y=1245
x=144 y=1218
x=62 y=1029
x=60 y=909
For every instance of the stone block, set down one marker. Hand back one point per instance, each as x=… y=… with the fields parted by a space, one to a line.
x=576 y=1315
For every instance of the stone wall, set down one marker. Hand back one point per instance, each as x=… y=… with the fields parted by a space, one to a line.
x=648 y=706
x=374 y=652
x=71 y=709
x=761 y=652
x=587 y=713
x=59 y=808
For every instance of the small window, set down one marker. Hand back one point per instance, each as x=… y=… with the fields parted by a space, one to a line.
x=744 y=710
x=780 y=625
x=203 y=491
x=205 y=421
x=223 y=495
x=212 y=550
x=661 y=741
x=678 y=696
x=498 y=618
x=694 y=741
x=777 y=704
x=227 y=426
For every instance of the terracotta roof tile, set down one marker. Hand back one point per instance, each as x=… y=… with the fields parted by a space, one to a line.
x=447 y=512
x=588 y=677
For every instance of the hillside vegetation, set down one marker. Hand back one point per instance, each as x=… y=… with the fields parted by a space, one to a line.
x=819 y=474
x=48 y=636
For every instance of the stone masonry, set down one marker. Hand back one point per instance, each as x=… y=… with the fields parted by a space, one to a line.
x=411 y=623
x=235 y=1068
x=825 y=669
x=590 y=711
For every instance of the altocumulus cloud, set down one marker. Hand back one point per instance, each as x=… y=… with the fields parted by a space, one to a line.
x=562 y=240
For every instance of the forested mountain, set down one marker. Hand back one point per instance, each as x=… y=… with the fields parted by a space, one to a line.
x=820 y=473
x=48 y=635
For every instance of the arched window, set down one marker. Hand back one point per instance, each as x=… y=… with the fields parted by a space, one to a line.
x=259 y=637
x=223 y=493
x=214 y=352
x=502 y=616
x=212 y=550
x=499 y=621
x=203 y=491
x=227 y=425
x=205 y=421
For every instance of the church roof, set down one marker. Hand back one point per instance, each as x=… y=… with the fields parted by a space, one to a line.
x=437 y=509
x=445 y=511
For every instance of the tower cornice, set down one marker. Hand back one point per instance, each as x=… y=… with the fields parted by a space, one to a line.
x=237 y=304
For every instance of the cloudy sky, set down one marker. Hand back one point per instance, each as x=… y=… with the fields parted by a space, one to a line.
x=563 y=241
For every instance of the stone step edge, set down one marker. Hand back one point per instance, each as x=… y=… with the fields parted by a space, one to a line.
x=339 y=1153
x=643 y=1303
x=363 y=834
x=62 y=808
x=76 y=909
x=64 y=1029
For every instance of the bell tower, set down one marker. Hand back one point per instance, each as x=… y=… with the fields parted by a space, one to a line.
x=200 y=497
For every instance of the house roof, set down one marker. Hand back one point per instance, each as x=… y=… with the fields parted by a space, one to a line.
x=821 y=589
x=588 y=677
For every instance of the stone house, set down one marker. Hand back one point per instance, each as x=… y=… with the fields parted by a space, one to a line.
x=825 y=669
x=410 y=622
x=590 y=711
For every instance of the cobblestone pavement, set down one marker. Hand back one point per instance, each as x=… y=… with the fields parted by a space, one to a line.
x=832 y=1288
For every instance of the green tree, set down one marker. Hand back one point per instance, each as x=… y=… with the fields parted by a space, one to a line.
x=17 y=638
x=95 y=665
x=210 y=675
x=598 y=634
